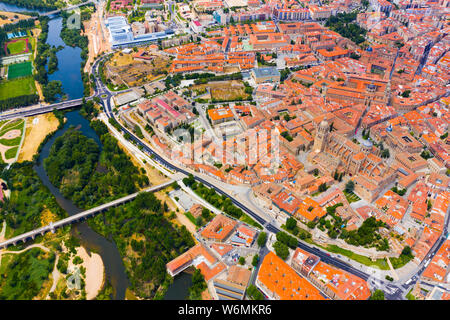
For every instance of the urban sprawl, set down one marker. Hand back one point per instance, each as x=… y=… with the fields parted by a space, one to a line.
x=307 y=140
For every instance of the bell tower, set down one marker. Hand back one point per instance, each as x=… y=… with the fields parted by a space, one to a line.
x=321 y=136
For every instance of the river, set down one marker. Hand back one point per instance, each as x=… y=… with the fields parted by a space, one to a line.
x=13 y=8
x=69 y=63
x=179 y=289
x=69 y=74
x=91 y=240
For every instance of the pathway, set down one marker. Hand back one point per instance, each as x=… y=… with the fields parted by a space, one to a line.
x=394 y=274
x=2 y=234
x=55 y=275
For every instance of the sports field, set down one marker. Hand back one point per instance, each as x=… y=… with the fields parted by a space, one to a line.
x=19 y=70
x=17 y=87
x=17 y=46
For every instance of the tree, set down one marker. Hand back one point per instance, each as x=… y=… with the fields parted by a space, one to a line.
x=291 y=223
x=407 y=251
x=262 y=238
x=254 y=293
x=206 y=213
x=198 y=285
x=405 y=94
x=255 y=260
x=241 y=261
x=311 y=224
x=199 y=221
x=336 y=175
x=377 y=295
x=281 y=250
x=288 y=240
x=349 y=186
x=385 y=153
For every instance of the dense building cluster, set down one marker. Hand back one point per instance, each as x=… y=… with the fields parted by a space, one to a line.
x=334 y=114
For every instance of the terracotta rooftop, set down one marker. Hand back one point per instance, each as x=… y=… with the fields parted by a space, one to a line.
x=281 y=279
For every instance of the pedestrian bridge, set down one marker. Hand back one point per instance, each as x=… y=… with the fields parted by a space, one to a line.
x=78 y=217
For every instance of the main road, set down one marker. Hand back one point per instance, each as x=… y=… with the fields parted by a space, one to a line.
x=325 y=257
x=396 y=292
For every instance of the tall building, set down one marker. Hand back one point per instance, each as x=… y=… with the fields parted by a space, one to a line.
x=321 y=136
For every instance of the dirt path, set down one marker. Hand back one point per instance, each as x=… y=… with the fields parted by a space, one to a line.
x=37 y=245
x=11 y=134
x=36 y=33
x=55 y=275
x=97 y=41
x=2 y=234
x=2 y=251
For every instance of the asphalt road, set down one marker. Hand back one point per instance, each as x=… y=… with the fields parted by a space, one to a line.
x=395 y=291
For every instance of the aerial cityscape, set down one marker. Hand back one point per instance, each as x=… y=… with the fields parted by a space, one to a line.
x=224 y=150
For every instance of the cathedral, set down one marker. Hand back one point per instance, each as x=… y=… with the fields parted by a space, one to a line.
x=332 y=152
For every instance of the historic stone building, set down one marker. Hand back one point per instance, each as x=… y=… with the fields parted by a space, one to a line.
x=333 y=152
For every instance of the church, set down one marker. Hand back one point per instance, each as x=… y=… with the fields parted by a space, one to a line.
x=332 y=152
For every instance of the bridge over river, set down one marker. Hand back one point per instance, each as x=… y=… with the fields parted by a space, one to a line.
x=70 y=8
x=78 y=217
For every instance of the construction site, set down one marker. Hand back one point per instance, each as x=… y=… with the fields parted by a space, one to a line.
x=135 y=69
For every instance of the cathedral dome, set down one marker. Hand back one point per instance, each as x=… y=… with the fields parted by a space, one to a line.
x=323 y=125
x=367 y=144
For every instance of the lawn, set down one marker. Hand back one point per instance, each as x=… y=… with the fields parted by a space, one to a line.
x=11 y=142
x=17 y=87
x=351 y=197
x=245 y=218
x=410 y=296
x=20 y=70
x=380 y=263
x=11 y=153
x=17 y=46
x=400 y=261
x=190 y=217
x=16 y=124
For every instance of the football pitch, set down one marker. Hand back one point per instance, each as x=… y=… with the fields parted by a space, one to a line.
x=17 y=46
x=20 y=70
x=17 y=87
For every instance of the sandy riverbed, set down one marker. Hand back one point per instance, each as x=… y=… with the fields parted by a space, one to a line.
x=94 y=272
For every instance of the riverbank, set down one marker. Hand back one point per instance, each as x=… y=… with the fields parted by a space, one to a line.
x=37 y=129
x=114 y=271
x=95 y=272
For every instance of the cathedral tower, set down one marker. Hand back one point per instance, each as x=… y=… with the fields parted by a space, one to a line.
x=321 y=136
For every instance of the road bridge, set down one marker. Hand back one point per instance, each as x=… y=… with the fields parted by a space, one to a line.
x=78 y=217
x=44 y=109
x=70 y=8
